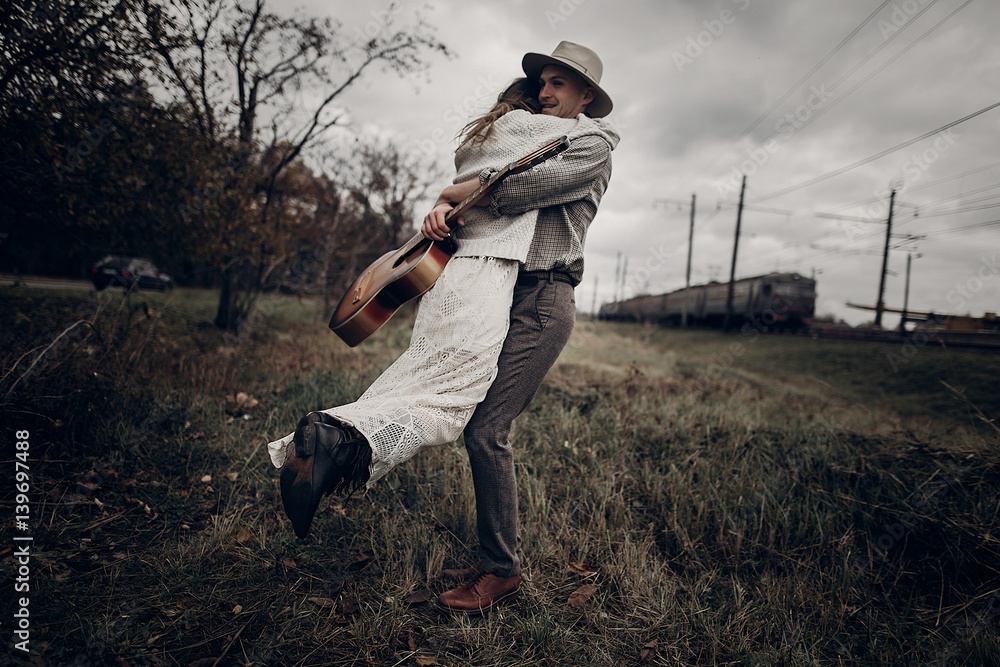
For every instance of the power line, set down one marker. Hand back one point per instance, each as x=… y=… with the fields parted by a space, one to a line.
x=823 y=110
x=929 y=184
x=957 y=176
x=798 y=84
x=864 y=60
x=938 y=214
x=944 y=233
x=962 y=195
x=881 y=154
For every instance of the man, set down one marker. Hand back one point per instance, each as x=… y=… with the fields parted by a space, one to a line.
x=567 y=192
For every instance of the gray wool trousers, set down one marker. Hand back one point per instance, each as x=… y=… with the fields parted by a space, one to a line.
x=541 y=321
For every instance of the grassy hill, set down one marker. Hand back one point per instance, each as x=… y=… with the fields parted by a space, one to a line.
x=686 y=497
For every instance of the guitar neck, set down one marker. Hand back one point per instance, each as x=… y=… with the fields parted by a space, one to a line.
x=452 y=218
x=527 y=162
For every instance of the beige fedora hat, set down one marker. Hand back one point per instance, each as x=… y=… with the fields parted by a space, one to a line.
x=579 y=59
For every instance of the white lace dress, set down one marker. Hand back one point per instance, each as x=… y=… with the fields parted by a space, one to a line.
x=427 y=396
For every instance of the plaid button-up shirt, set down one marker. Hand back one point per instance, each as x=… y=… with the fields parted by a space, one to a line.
x=566 y=190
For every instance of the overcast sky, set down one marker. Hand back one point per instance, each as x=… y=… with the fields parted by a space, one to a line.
x=797 y=94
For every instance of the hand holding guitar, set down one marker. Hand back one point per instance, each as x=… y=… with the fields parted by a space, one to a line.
x=435 y=226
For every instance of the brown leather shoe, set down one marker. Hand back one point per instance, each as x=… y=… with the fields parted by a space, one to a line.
x=465 y=573
x=480 y=594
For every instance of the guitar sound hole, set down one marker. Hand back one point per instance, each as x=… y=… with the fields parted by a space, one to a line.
x=411 y=254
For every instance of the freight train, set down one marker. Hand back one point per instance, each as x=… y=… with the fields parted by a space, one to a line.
x=778 y=301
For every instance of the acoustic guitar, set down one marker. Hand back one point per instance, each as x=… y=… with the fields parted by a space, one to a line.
x=407 y=272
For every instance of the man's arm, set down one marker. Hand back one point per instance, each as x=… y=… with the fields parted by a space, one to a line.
x=570 y=177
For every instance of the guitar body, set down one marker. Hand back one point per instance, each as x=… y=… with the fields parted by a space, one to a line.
x=390 y=281
x=406 y=273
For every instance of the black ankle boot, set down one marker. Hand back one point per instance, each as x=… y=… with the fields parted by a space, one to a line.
x=328 y=457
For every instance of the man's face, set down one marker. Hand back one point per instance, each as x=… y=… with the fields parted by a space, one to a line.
x=563 y=92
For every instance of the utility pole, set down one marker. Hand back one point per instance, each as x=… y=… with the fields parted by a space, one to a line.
x=624 y=274
x=593 y=304
x=618 y=275
x=879 y=305
x=906 y=294
x=687 y=278
x=736 y=245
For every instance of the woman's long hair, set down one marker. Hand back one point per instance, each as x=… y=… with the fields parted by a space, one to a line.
x=520 y=94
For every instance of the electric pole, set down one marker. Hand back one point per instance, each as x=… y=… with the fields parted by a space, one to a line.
x=885 y=262
x=906 y=293
x=736 y=245
x=618 y=275
x=687 y=277
x=624 y=274
x=593 y=304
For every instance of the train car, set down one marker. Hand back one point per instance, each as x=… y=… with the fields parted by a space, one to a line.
x=777 y=301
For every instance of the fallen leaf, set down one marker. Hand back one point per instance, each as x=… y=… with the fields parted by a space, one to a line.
x=580 y=596
x=349 y=606
x=237 y=609
x=206 y=479
x=362 y=560
x=425 y=660
x=648 y=651
x=232 y=476
x=241 y=402
x=418 y=597
x=412 y=642
x=243 y=535
x=584 y=570
x=245 y=400
x=322 y=603
x=289 y=563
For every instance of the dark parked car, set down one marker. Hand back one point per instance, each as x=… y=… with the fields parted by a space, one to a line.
x=130 y=273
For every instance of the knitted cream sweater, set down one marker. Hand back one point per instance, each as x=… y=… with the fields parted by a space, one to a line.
x=515 y=134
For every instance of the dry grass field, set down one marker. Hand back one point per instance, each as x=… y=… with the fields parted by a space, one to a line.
x=687 y=498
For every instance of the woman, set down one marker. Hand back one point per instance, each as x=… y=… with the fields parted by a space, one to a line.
x=427 y=396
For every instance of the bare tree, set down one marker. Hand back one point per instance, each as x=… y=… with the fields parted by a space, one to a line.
x=256 y=83
x=388 y=184
x=65 y=51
